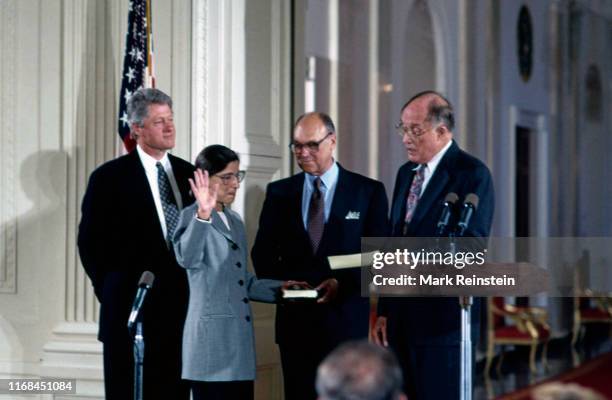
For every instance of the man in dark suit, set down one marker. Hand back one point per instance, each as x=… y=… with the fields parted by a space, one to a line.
x=425 y=332
x=320 y=212
x=129 y=211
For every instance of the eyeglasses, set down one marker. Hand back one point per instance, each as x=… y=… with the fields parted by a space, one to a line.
x=414 y=130
x=227 y=178
x=312 y=147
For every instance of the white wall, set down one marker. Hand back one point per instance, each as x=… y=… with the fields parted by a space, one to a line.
x=60 y=69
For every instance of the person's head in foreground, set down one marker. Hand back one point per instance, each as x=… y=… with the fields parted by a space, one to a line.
x=359 y=370
x=565 y=391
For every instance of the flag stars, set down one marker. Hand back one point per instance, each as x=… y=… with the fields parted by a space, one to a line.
x=127 y=95
x=139 y=55
x=124 y=119
x=130 y=74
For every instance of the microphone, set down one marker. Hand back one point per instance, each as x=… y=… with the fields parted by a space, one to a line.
x=145 y=283
x=469 y=207
x=449 y=203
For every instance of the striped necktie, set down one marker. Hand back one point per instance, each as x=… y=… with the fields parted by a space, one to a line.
x=168 y=201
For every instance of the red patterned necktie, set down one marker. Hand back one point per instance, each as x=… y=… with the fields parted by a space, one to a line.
x=414 y=194
x=316 y=215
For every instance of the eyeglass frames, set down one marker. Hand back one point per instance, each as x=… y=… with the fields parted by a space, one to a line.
x=312 y=147
x=227 y=178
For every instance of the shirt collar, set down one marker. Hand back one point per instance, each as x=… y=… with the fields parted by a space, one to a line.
x=149 y=163
x=328 y=178
x=435 y=160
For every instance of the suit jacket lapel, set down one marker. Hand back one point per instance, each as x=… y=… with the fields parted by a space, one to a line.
x=296 y=205
x=432 y=192
x=219 y=225
x=181 y=180
x=399 y=206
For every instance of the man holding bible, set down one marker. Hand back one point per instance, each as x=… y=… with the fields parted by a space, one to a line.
x=320 y=212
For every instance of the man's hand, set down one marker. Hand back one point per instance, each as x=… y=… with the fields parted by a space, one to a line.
x=379 y=332
x=205 y=195
x=329 y=288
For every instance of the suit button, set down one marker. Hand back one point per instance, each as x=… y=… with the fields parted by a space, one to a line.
x=245 y=300
x=239 y=264
x=241 y=282
x=248 y=319
x=234 y=246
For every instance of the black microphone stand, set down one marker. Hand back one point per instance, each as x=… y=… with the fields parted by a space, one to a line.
x=135 y=329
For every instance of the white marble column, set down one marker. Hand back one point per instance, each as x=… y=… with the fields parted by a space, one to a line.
x=240 y=98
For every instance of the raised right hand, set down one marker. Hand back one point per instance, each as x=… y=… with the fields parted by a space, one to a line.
x=205 y=195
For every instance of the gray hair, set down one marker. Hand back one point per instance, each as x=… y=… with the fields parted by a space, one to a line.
x=324 y=118
x=139 y=102
x=358 y=370
x=439 y=109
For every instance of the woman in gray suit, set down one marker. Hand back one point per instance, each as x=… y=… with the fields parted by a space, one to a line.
x=210 y=243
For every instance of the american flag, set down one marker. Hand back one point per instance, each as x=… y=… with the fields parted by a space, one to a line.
x=137 y=62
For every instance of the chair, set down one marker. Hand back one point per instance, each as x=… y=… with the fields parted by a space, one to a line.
x=529 y=328
x=589 y=306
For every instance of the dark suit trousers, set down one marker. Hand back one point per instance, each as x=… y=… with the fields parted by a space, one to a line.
x=161 y=375
x=300 y=363
x=430 y=371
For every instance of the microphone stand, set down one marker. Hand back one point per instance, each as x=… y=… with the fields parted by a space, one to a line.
x=466 y=347
x=139 y=349
x=465 y=376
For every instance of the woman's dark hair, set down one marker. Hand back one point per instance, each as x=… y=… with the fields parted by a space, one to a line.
x=215 y=158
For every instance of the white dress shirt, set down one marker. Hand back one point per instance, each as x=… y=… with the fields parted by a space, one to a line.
x=431 y=166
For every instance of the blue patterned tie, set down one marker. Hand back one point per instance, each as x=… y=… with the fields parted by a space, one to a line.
x=168 y=201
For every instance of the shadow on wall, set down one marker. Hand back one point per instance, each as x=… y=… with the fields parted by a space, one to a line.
x=27 y=309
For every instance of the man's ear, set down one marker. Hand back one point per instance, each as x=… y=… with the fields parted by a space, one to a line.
x=135 y=131
x=441 y=129
x=333 y=138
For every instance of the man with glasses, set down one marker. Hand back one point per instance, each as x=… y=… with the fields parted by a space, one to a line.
x=323 y=211
x=425 y=332
x=129 y=213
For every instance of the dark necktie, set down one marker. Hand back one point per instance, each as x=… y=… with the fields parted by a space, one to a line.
x=168 y=201
x=413 y=195
x=316 y=216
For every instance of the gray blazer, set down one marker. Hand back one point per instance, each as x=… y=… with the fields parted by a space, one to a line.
x=218 y=339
